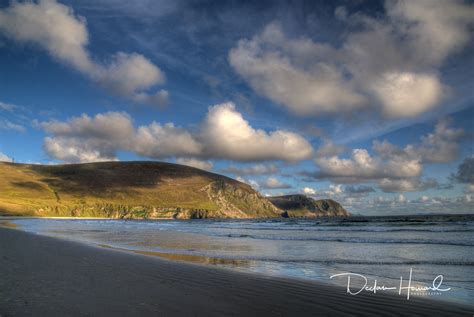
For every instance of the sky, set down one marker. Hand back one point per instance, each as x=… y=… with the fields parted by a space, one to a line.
x=370 y=103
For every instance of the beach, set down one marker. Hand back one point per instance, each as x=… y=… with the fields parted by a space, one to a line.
x=43 y=276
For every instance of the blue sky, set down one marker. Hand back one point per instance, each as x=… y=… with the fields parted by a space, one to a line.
x=366 y=102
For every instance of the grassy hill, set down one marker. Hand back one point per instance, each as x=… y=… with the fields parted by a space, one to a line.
x=126 y=190
x=303 y=206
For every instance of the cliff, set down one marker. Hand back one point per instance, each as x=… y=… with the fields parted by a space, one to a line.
x=303 y=206
x=126 y=190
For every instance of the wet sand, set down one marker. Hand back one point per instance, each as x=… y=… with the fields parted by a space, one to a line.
x=43 y=276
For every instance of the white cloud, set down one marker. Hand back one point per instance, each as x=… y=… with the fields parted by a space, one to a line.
x=442 y=146
x=8 y=125
x=75 y=150
x=402 y=198
x=401 y=205
x=256 y=169
x=204 y=165
x=424 y=198
x=436 y=29
x=395 y=169
x=362 y=166
x=308 y=191
x=391 y=63
x=329 y=148
x=55 y=28
x=160 y=98
x=255 y=185
x=7 y=106
x=274 y=183
x=224 y=134
x=465 y=172
x=407 y=94
x=469 y=188
x=273 y=66
x=156 y=140
x=5 y=158
x=406 y=185
x=86 y=139
x=334 y=190
x=228 y=135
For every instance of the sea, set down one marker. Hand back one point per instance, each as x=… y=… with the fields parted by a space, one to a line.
x=434 y=253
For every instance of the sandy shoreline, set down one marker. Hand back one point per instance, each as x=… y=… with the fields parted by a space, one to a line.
x=43 y=276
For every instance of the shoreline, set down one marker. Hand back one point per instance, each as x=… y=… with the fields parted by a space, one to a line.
x=49 y=276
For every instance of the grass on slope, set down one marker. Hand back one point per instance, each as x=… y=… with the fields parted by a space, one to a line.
x=98 y=189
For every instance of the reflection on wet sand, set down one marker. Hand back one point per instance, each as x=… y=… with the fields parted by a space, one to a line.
x=8 y=224
x=187 y=257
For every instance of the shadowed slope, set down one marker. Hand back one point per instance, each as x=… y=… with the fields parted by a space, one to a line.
x=126 y=190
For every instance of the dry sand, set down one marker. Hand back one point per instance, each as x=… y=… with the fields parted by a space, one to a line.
x=43 y=276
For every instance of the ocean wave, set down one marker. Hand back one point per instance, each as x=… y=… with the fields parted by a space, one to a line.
x=347 y=229
x=360 y=262
x=352 y=240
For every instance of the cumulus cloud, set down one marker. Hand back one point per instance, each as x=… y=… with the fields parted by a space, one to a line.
x=465 y=172
x=406 y=185
x=228 y=135
x=441 y=146
x=86 y=139
x=395 y=169
x=329 y=148
x=334 y=190
x=156 y=140
x=424 y=198
x=204 y=165
x=255 y=185
x=406 y=94
x=55 y=28
x=401 y=205
x=309 y=191
x=269 y=63
x=224 y=134
x=256 y=169
x=391 y=63
x=362 y=166
x=469 y=188
x=274 y=183
x=5 y=158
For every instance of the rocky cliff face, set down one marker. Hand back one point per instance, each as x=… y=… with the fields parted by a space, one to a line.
x=127 y=190
x=137 y=190
x=303 y=206
x=233 y=201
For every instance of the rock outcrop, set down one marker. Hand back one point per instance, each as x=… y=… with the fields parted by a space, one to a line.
x=303 y=206
x=127 y=190
x=140 y=190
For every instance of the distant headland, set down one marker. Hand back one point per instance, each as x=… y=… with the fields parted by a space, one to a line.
x=142 y=190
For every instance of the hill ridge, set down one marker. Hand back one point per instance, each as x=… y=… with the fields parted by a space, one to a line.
x=131 y=189
x=140 y=189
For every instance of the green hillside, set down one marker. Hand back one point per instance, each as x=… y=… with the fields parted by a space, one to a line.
x=126 y=190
